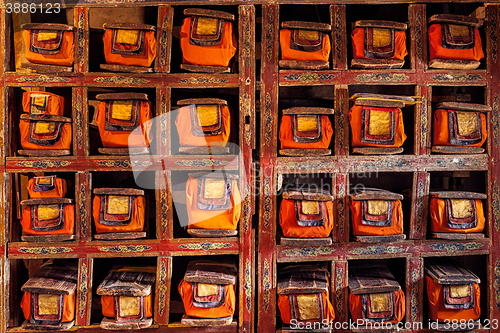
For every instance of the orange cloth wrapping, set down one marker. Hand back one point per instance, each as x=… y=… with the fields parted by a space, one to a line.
x=212 y=219
x=59 y=190
x=358 y=44
x=63 y=143
x=436 y=49
x=125 y=139
x=288 y=53
x=225 y=310
x=136 y=221
x=290 y=227
x=356 y=307
x=62 y=58
x=356 y=119
x=67 y=228
x=437 y=310
x=68 y=307
x=360 y=229
x=441 y=130
x=286 y=315
x=144 y=60
x=439 y=218
x=108 y=306
x=286 y=135
x=55 y=103
x=217 y=55
x=184 y=127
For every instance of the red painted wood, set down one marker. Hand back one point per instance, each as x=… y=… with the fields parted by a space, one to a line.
x=83 y=206
x=414 y=290
x=341 y=218
x=340 y=291
x=341 y=138
x=338 y=36
x=84 y=292
x=81 y=37
x=162 y=295
x=164 y=38
x=419 y=204
x=80 y=122
x=417 y=50
x=423 y=121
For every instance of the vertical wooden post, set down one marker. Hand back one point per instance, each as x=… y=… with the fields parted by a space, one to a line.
x=83 y=206
x=269 y=118
x=164 y=38
x=164 y=207
x=80 y=122
x=339 y=36
x=246 y=29
x=419 y=205
x=163 y=122
x=341 y=194
x=423 y=121
x=418 y=36
x=493 y=149
x=163 y=287
x=81 y=38
x=414 y=290
x=340 y=291
x=341 y=121
x=84 y=291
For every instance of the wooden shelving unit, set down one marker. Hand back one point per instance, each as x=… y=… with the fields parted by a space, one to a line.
x=167 y=246
x=416 y=168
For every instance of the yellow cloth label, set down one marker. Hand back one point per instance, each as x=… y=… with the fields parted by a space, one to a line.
x=48 y=212
x=381 y=37
x=378 y=207
x=206 y=26
x=47 y=304
x=380 y=302
x=310 y=207
x=42 y=127
x=308 y=306
x=306 y=123
x=207 y=115
x=379 y=122
x=129 y=306
x=117 y=204
x=206 y=289
x=214 y=188
x=122 y=110
x=459 y=290
x=458 y=30
x=461 y=208
x=308 y=34
x=44 y=35
x=43 y=180
x=467 y=123
x=126 y=36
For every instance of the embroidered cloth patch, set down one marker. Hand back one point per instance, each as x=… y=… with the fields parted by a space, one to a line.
x=379 y=43
x=129 y=306
x=206 y=31
x=457 y=37
x=46 y=41
x=306 y=40
x=306 y=307
x=116 y=210
x=376 y=213
x=122 y=115
x=208 y=301
x=127 y=42
x=304 y=216
x=214 y=194
x=379 y=307
x=462 y=213
x=307 y=129
x=44 y=183
x=38 y=104
x=206 y=120
x=464 y=128
x=383 y=129
x=45 y=133
x=459 y=296
x=46 y=309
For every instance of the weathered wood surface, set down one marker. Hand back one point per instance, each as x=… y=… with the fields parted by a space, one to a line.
x=126 y=69
x=41 y=327
x=454 y=64
x=364 y=279
x=53 y=278
x=208 y=150
x=304 y=194
x=203 y=322
x=47 y=26
x=305 y=152
x=118 y=191
x=448 y=271
x=303 y=279
x=456 y=19
x=121 y=235
x=299 y=242
x=377 y=63
x=206 y=69
x=130 y=26
x=46 y=117
x=208 y=13
x=47 y=238
x=325 y=27
x=121 y=96
x=457 y=150
x=213 y=175
x=464 y=106
x=201 y=101
x=128 y=281
x=202 y=233
x=45 y=153
x=380 y=239
x=46 y=201
x=47 y=69
x=380 y=103
x=456 y=236
x=381 y=24
x=304 y=64
x=124 y=151
x=215 y=272
x=457 y=195
x=308 y=110
x=376 y=150
x=111 y=324
x=374 y=194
